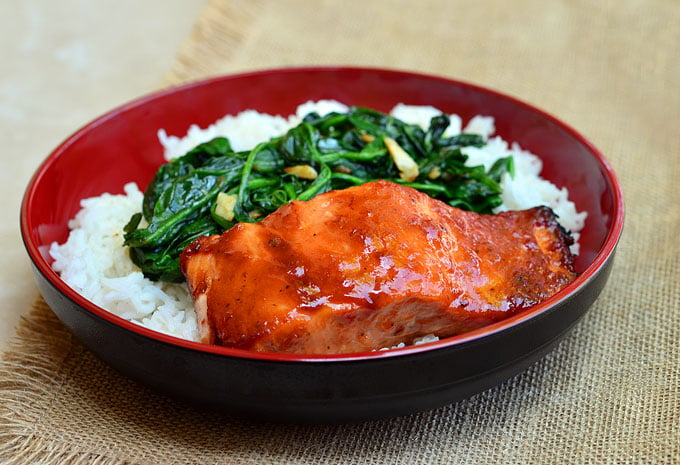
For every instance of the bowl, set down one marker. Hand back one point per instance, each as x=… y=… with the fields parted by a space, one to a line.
x=122 y=146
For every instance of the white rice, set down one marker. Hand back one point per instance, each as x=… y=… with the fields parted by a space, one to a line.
x=94 y=262
x=245 y=130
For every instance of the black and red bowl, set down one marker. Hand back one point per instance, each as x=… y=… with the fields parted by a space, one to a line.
x=122 y=146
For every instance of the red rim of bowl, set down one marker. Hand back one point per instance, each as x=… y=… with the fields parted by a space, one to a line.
x=53 y=277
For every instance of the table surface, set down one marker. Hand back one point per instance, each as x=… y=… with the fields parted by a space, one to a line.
x=64 y=66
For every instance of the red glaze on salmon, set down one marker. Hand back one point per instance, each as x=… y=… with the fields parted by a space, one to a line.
x=369 y=267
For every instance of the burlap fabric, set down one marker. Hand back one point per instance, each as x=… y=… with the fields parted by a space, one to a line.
x=610 y=391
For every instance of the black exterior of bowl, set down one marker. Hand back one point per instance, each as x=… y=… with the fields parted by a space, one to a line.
x=327 y=391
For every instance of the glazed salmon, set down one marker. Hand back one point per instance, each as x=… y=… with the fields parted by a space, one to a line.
x=369 y=267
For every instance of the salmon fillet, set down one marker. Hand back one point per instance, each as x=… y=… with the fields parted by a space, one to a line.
x=369 y=267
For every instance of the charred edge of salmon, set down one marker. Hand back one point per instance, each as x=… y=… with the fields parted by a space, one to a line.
x=562 y=235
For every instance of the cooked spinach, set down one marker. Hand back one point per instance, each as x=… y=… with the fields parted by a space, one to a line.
x=212 y=187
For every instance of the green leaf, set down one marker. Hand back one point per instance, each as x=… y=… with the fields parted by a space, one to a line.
x=345 y=149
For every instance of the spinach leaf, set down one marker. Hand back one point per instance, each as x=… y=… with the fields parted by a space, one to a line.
x=212 y=187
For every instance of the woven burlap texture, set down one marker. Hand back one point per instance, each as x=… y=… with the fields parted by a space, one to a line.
x=609 y=393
